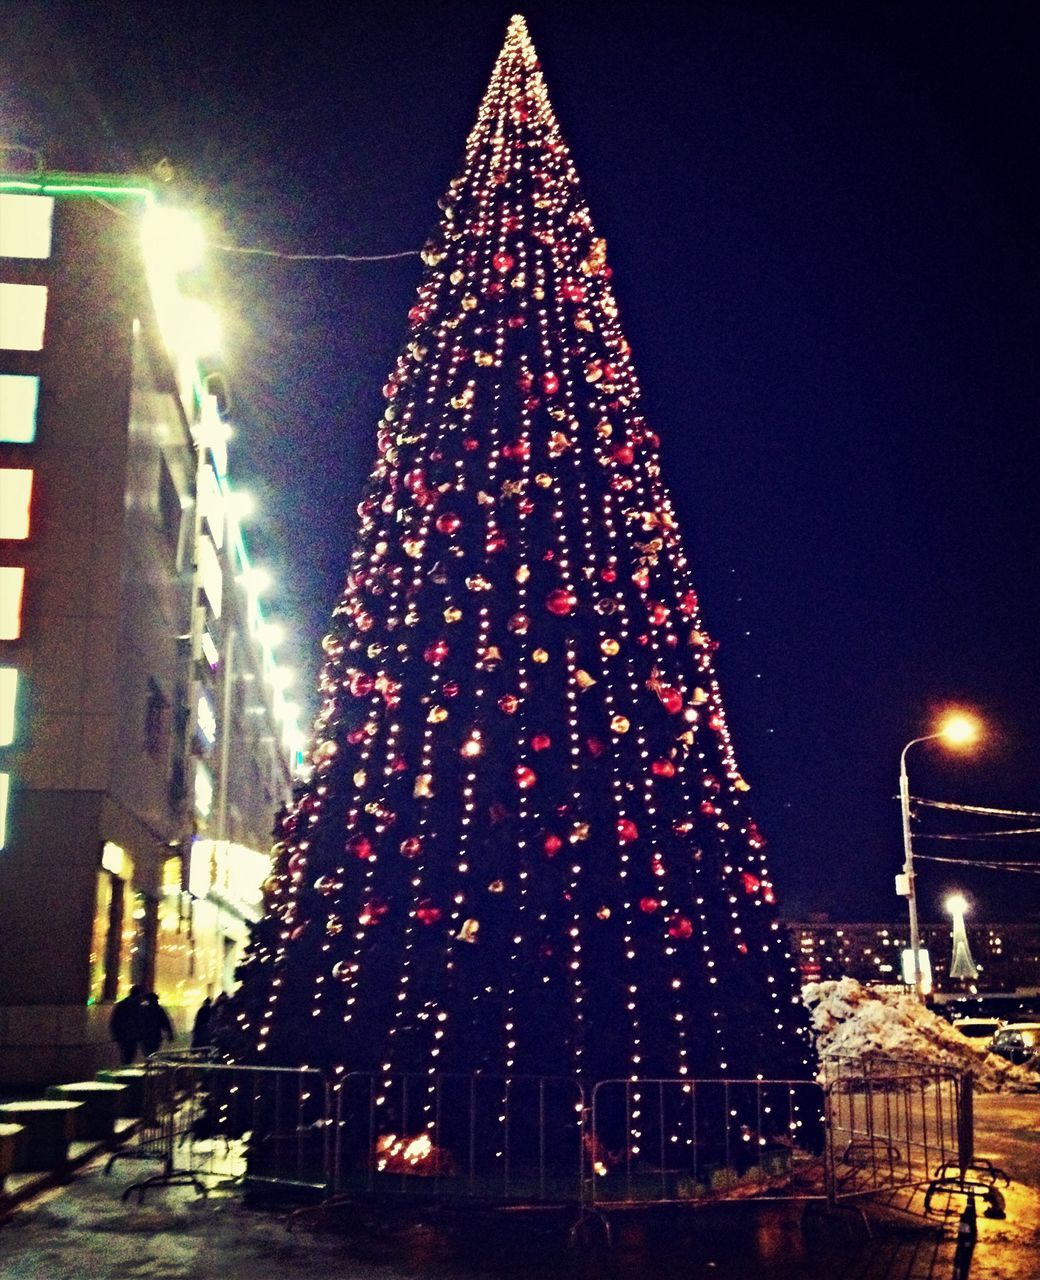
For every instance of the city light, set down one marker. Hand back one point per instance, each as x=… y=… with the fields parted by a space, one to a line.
x=959 y=730
x=174 y=235
x=256 y=580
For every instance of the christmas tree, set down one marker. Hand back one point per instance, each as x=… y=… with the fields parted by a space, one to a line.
x=525 y=846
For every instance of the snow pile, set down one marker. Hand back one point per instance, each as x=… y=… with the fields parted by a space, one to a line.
x=855 y=1022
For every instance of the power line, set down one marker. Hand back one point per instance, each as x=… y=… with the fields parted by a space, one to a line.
x=284 y=254
x=979 y=835
x=311 y=257
x=983 y=864
x=975 y=808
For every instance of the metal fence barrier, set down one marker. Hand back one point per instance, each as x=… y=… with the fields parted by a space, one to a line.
x=667 y=1141
x=496 y=1139
x=862 y=1130
x=265 y=1127
x=892 y=1125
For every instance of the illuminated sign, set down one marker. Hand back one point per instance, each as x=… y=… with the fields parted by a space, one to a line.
x=926 y=969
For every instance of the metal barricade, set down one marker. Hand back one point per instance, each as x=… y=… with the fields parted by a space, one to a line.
x=668 y=1141
x=269 y=1128
x=892 y=1125
x=492 y=1139
x=864 y=1129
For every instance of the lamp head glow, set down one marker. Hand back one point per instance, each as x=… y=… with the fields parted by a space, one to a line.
x=173 y=236
x=959 y=730
x=257 y=580
x=240 y=503
x=956 y=904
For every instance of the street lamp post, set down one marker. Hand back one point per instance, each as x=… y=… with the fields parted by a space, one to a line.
x=957 y=730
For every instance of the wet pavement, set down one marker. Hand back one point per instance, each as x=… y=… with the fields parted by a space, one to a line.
x=84 y=1231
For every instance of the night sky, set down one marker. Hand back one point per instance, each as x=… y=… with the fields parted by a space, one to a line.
x=823 y=233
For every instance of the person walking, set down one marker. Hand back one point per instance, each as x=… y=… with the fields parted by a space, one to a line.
x=155 y=1024
x=200 y=1036
x=126 y=1024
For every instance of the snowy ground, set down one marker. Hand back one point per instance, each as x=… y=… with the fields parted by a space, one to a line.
x=854 y=1021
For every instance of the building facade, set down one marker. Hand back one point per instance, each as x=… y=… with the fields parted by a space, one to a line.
x=1007 y=955
x=145 y=740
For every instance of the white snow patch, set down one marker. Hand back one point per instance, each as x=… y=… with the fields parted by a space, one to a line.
x=851 y=1021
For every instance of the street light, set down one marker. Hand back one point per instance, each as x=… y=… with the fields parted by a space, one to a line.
x=957 y=730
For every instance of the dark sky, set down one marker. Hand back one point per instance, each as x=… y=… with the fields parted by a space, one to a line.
x=824 y=239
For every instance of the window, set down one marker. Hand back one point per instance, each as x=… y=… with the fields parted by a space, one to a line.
x=15 y=497
x=25 y=226
x=212 y=577
x=12 y=584
x=156 y=722
x=19 y=397
x=5 y=795
x=23 y=313
x=170 y=509
x=8 y=699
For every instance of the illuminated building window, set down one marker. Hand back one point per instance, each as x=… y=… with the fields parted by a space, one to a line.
x=25 y=226
x=19 y=396
x=156 y=725
x=5 y=795
x=8 y=700
x=23 y=313
x=212 y=576
x=12 y=584
x=15 y=497
x=203 y=791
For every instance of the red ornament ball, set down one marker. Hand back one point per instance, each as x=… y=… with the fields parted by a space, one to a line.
x=502 y=261
x=648 y=905
x=360 y=847
x=412 y=846
x=427 y=912
x=448 y=522
x=550 y=383
x=627 y=830
x=436 y=652
x=373 y=911
x=361 y=684
x=671 y=699
x=680 y=927
x=551 y=845
x=525 y=777
x=541 y=742
x=663 y=769
x=561 y=602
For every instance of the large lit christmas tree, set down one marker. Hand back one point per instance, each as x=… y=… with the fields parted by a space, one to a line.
x=525 y=846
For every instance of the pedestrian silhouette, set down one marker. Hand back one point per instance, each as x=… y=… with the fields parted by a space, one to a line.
x=200 y=1034
x=155 y=1025
x=127 y=1024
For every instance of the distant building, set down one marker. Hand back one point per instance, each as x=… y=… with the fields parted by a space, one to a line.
x=145 y=740
x=1007 y=955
